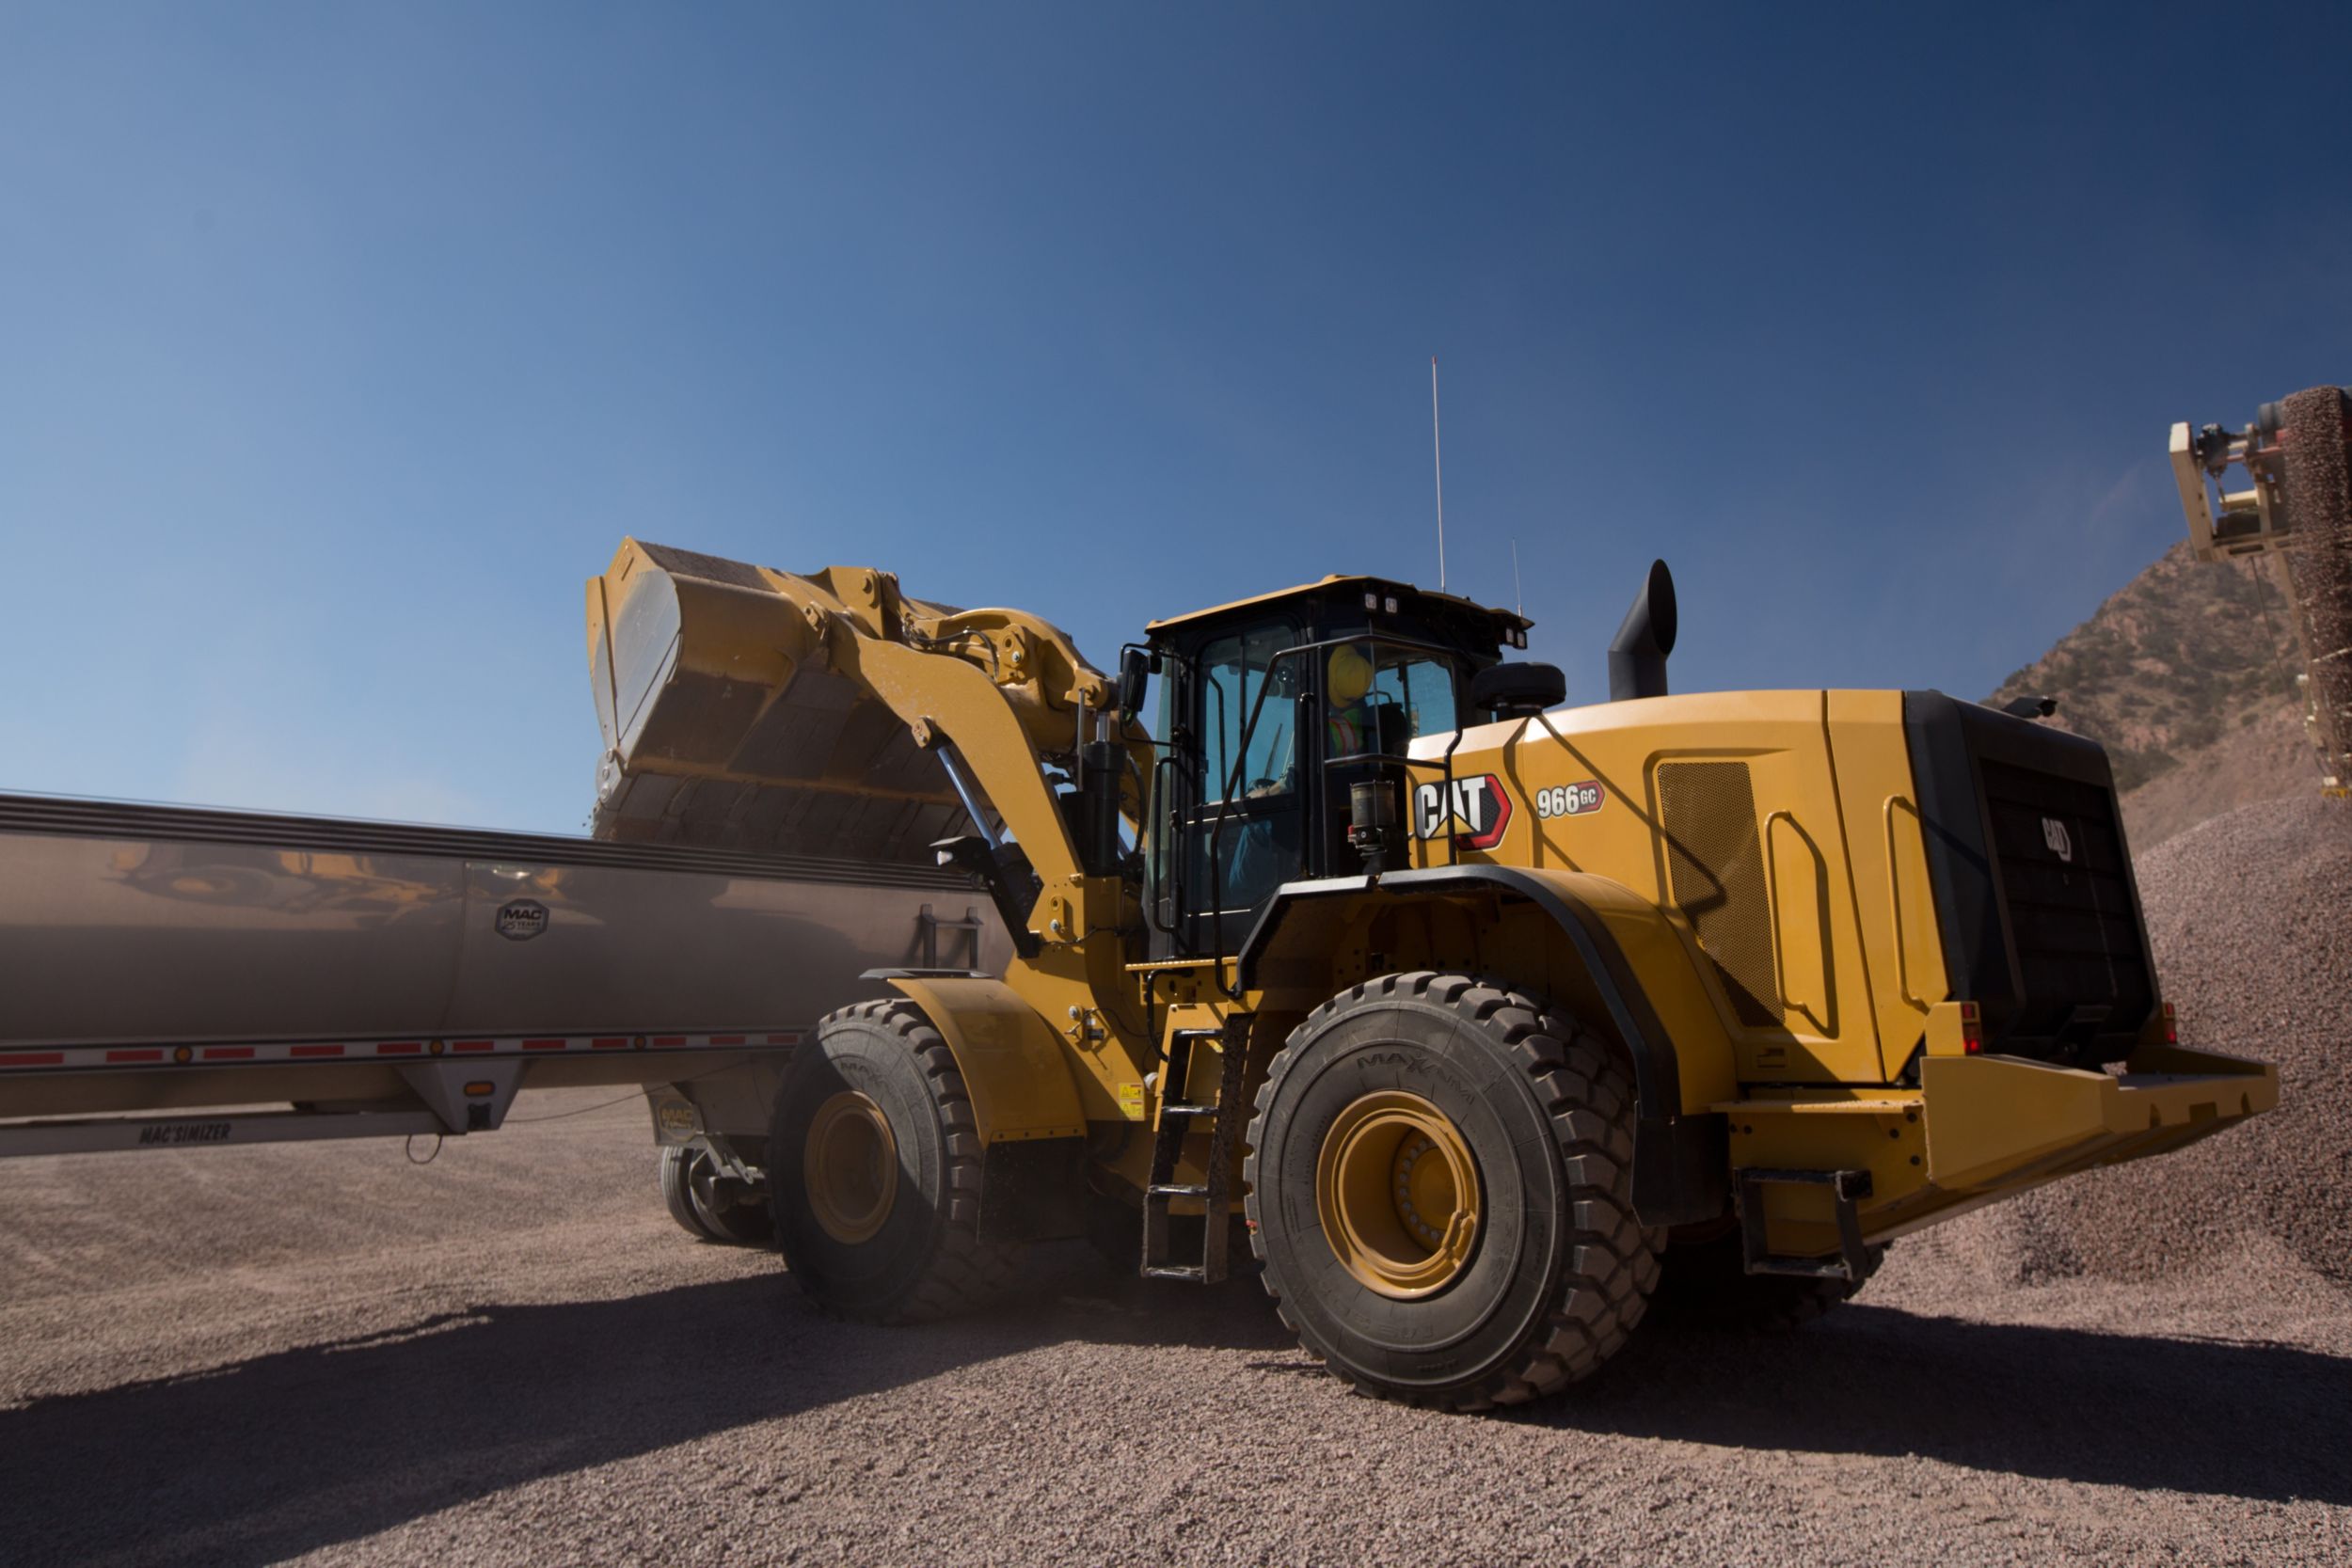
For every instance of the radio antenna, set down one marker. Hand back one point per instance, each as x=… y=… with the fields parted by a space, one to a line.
x=1518 y=601
x=1438 y=453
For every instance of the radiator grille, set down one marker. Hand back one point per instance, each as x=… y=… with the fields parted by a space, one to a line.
x=1716 y=863
x=2067 y=891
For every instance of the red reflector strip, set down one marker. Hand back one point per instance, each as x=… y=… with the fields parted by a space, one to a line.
x=784 y=1040
x=33 y=1058
x=316 y=1050
x=227 y=1053
x=399 y=1048
x=727 y=1039
x=609 y=1043
x=469 y=1045
x=134 y=1055
x=669 y=1040
x=543 y=1045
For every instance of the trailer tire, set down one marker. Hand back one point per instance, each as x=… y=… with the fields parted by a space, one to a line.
x=874 y=1172
x=1705 y=1284
x=1513 y=1264
x=711 y=1206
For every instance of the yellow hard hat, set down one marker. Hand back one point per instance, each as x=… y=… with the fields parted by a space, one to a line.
x=1348 y=676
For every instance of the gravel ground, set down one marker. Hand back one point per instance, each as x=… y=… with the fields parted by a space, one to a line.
x=512 y=1356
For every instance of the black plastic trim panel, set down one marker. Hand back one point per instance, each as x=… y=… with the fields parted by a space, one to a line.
x=1949 y=743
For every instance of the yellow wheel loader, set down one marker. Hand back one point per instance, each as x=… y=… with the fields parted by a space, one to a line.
x=1481 y=1023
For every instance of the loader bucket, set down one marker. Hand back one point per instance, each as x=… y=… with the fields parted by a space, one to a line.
x=723 y=728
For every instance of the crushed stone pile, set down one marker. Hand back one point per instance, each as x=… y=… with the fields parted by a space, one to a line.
x=2250 y=916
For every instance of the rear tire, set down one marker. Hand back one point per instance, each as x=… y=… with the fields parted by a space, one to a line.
x=711 y=1206
x=1510 y=1262
x=874 y=1172
x=1705 y=1284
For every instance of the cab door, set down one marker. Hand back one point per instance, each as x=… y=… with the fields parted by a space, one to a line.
x=1236 y=811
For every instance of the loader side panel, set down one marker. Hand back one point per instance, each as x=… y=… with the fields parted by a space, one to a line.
x=1884 y=833
x=1724 y=809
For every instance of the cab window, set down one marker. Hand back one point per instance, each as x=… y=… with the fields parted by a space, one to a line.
x=1235 y=675
x=1378 y=699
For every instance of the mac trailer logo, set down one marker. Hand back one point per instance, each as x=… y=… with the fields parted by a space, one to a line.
x=520 y=919
x=2054 y=834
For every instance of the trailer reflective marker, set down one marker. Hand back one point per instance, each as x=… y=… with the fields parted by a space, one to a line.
x=81 y=1058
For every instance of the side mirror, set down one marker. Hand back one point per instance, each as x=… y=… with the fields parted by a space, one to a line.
x=1135 y=669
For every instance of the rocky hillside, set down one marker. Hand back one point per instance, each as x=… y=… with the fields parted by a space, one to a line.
x=2182 y=680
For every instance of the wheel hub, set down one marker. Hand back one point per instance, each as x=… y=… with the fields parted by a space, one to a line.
x=1398 y=1194
x=849 y=1171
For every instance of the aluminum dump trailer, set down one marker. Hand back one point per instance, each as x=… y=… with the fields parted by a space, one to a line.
x=172 y=977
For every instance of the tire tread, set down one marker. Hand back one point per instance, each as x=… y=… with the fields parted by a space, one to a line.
x=1586 y=1090
x=963 y=1273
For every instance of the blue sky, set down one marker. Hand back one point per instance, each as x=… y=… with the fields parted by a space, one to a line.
x=342 y=344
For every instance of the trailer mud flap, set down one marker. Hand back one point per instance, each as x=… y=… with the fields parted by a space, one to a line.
x=676 y=1122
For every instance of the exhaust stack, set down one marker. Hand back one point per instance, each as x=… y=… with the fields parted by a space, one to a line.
x=1637 y=657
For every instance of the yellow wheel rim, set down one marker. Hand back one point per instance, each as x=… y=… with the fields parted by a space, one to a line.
x=1398 y=1194
x=850 y=1168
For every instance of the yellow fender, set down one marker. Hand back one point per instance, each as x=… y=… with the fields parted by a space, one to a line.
x=1012 y=1059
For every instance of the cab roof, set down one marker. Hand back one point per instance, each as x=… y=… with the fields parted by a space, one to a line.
x=1336 y=585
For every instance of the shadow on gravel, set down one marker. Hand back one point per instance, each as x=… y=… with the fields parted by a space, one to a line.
x=302 y=1449
x=298 y=1449
x=2229 y=1417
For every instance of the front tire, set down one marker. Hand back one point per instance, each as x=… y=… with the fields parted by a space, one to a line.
x=1440 y=1189
x=874 y=1172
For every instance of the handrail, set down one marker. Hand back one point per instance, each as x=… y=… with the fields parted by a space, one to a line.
x=1772 y=887
x=1772 y=881
x=1895 y=900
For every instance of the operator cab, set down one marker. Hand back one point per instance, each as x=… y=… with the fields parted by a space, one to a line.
x=1280 y=740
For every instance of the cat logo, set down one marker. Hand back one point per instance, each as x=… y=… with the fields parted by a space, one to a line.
x=1480 y=812
x=2054 y=834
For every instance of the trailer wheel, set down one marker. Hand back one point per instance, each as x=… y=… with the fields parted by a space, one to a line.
x=1441 y=1176
x=874 y=1172
x=1704 y=1284
x=709 y=1204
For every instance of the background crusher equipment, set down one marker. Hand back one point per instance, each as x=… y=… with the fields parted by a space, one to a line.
x=2296 y=515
